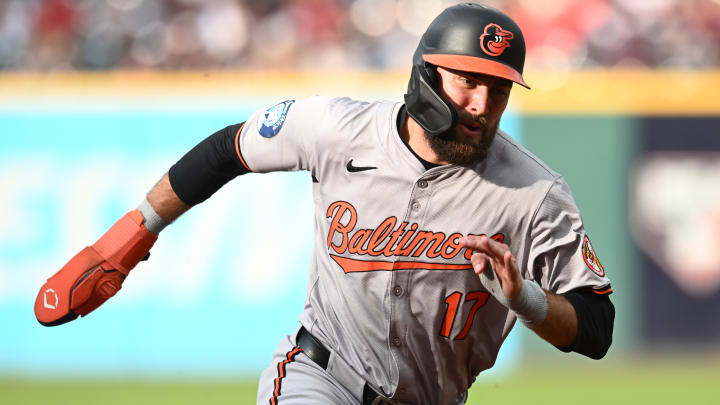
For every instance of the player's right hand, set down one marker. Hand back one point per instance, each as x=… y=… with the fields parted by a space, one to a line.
x=96 y=273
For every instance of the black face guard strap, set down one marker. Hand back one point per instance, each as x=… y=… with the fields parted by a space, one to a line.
x=425 y=106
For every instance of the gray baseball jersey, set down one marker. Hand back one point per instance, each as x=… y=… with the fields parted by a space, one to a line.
x=390 y=289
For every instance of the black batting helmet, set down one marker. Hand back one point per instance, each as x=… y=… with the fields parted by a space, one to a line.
x=468 y=37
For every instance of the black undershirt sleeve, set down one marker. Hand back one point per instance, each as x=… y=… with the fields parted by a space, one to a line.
x=595 y=316
x=207 y=167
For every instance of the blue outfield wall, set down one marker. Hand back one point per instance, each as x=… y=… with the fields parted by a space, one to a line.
x=223 y=285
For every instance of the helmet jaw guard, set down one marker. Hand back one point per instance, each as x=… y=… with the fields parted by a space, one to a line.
x=466 y=37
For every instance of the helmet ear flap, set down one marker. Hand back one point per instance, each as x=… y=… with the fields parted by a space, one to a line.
x=432 y=74
x=425 y=105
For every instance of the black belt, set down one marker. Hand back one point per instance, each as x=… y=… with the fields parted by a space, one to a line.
x=321 y=356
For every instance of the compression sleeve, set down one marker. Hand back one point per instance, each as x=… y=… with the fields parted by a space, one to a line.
x=207 y=167
x=595 y=316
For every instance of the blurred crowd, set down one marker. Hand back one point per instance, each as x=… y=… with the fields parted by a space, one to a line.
x=47 y=35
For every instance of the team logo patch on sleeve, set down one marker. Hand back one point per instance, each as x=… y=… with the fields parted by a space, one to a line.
x=591 y=258
x=274 y=119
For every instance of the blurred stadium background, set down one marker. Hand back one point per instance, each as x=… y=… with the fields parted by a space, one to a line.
x=98 y=98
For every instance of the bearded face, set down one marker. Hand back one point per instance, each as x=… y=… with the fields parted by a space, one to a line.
x=455 y=147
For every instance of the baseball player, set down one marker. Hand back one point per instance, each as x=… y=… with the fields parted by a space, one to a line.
x=434 y=230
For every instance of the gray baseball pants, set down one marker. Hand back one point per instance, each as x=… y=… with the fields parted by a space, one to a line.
x=292 y=378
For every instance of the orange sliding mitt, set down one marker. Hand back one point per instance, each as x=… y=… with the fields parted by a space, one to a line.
x=96 y=273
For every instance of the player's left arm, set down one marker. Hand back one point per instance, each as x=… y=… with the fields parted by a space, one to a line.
x=551 y=316
x=580 y=320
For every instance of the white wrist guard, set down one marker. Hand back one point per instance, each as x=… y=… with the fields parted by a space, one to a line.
x=152 y=221
x=531 y=305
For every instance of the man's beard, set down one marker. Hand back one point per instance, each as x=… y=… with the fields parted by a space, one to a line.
x=460 y=149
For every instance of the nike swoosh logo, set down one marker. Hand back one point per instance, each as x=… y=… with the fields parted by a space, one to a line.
x=353 y=169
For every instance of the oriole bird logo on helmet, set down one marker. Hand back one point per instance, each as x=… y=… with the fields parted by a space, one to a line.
x=494 y=39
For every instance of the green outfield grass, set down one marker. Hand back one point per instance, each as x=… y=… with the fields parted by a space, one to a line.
x=644 y=383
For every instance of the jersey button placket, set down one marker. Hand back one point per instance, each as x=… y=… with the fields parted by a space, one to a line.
x=400 y=287
x=420 y=193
